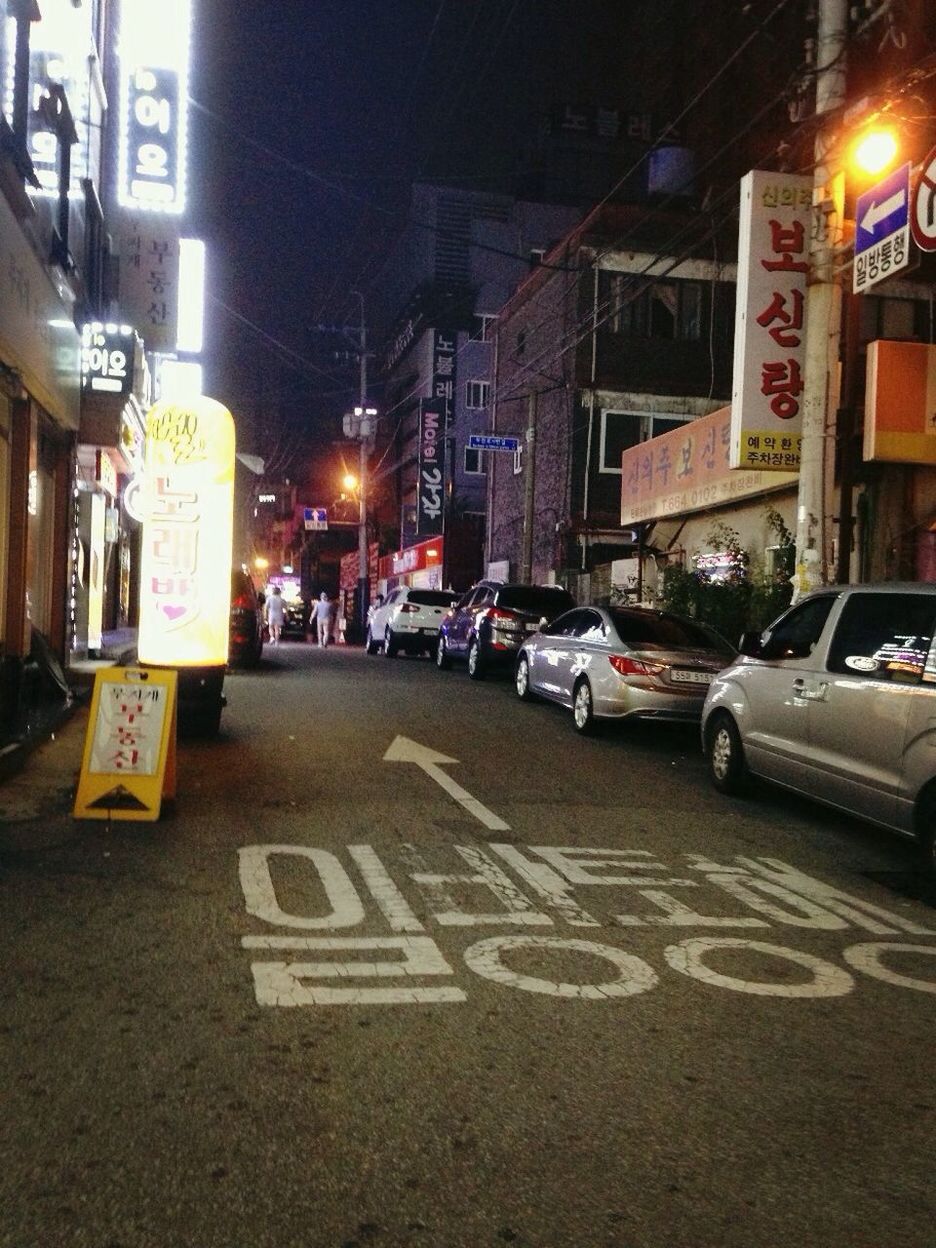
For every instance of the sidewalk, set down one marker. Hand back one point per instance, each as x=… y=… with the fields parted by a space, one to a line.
x=46 y=718
x=42 y=789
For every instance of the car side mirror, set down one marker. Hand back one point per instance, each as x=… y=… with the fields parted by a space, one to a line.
x=750 y=645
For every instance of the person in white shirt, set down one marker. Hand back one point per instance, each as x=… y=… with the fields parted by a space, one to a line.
x=275 y=610
x=321 y=614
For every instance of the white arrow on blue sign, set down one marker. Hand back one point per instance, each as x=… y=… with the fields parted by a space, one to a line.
x=491 y=442
x=882 y=230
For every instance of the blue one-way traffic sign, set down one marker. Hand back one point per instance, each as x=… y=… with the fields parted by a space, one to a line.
x=882 y=230
x=492 y=442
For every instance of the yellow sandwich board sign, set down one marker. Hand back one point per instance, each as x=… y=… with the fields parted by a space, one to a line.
x=129 y=762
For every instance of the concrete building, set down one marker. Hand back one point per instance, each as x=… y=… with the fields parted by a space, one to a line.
x=601 y=348
x=458 y=262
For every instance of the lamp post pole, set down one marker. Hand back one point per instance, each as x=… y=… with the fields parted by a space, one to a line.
x=361 y=426
x=823 y=311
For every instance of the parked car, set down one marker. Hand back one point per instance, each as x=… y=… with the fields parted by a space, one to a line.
x=245 y=637
x=488 y=624
x=622 y=663
x=408 y=620
x=837 y=700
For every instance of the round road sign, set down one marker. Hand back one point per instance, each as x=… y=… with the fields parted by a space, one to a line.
x=923 y=205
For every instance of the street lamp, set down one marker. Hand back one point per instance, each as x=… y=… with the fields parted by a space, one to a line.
x=874 y=151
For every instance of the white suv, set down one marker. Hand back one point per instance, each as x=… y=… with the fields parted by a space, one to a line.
x=408 y=620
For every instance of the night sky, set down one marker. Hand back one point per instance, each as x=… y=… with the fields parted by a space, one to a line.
x=362 y=97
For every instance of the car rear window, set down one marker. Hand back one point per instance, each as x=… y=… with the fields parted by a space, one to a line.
x=652 y=630
x=430 y=597
x=538 y=600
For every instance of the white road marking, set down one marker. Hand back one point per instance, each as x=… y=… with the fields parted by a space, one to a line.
x=260 y=893
x=403 y=750
x=634 y=976
x=281 y=983
x=827 y=980
x=867 y=958
x=547 y=883
x=393 y=905
x=517 y=906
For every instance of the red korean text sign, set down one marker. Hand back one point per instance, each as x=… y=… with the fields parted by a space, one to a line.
x=129 y=760
x=770 y=322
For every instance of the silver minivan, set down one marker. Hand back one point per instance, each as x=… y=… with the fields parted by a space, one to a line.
x=837 y=701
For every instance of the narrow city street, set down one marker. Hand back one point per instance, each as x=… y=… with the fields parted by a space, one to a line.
x=411 y=963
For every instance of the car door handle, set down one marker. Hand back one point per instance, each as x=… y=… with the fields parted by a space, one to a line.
x=816 y=694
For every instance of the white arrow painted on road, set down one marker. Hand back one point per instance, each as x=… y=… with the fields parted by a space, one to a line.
x=403 y=750
x=877 y=212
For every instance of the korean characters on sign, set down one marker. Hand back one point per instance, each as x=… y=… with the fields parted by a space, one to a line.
x=185 y=580
x=770 y=322
x=153 y=47
x=431 y=484
x=149 y=279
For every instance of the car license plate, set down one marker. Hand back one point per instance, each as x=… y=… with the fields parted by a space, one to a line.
x=682 y=676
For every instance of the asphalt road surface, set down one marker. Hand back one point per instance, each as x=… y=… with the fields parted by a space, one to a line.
x=410 y=963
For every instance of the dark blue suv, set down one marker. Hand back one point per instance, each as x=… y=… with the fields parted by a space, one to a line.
x=488 y=624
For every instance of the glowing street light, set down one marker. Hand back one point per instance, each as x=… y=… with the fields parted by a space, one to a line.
x=874 y=151
x=349 y=482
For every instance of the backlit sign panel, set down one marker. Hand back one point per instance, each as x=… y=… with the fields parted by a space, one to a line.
x=153 y=48
x=430 y=486
x=770 y=322
x=107 y=358
x=188 y=509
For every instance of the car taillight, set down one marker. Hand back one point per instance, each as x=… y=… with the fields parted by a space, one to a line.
x=408 y=608
x=634 y=667
x=243 y=602
x=505 y=620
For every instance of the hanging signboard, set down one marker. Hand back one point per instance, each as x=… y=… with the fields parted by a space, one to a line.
x=129 y=760
x=188 y=510
x=431 y=483
x=900 y=403
x=770 y=322
x=923 y=208
x=882 y=231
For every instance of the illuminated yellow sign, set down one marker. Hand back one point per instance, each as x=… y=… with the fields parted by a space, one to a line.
x=188 y=508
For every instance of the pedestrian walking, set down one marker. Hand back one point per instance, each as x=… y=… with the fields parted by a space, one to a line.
x=275 y=611
x=321 y=614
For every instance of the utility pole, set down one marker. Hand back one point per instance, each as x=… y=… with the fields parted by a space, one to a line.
x=823 y=309
x=361 y=424
x=529 y=490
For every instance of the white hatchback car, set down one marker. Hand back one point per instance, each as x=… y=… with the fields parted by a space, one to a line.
x=408 y=620
x=837 y=700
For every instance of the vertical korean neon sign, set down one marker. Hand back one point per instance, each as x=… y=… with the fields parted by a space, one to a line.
x=188 y=510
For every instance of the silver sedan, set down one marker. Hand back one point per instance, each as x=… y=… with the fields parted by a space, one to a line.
x=622 y=662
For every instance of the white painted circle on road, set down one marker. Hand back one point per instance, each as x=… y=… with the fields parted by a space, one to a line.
x=635 y=975
x=867 y=958
x=688 y=958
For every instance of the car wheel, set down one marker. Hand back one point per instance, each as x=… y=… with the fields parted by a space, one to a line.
x=583 y=709
x=475 y=662
x=442 y=660
x=522 y=679
x=372 y=646
x=390 y=646
x=926 y=831
x=724 y=754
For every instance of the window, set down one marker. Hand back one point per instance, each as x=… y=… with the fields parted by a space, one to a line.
x=521 y=343
x=884 y=635
x=518 y=460
x=622 y=430
x=670 y=311
x=797 y=632
x=590 y=627
x=477 y=394
x=537 y=255
x=474 y=461
x=888 y=318
x=483 y=330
